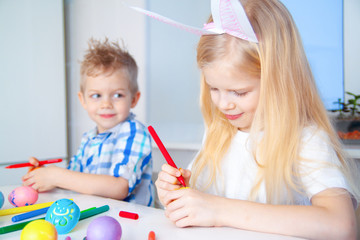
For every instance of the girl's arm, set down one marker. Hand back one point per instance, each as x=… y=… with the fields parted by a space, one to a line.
x=331 y=215
x=47 y=178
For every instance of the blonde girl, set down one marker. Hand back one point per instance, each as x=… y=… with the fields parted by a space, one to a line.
x=270 y=160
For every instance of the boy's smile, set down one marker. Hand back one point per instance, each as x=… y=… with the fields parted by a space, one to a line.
x=107 y=115
x=107 y=99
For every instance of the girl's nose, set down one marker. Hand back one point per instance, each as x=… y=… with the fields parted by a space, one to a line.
x=225 y=102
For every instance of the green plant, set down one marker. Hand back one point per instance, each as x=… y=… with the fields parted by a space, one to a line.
x=353 y=103
x=352 y=107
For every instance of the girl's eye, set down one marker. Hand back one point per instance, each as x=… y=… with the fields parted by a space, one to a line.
x=95 y=96
x=213 y=89
x=240 y=94
x=118 y=95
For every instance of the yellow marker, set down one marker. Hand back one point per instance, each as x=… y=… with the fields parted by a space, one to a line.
x=183 y=188
x=25 y=208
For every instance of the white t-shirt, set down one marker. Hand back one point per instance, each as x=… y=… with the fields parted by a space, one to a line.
x=239 y=169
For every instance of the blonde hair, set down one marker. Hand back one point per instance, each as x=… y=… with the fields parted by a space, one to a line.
x=288 y=102
x=108 y=57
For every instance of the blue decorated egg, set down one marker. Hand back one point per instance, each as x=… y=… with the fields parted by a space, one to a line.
x=64 y=214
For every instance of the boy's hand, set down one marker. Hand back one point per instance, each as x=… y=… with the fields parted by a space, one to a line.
x=35 y=162
x=167 y=181
x=38 y=177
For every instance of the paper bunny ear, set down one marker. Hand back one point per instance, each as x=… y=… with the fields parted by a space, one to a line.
x=228 y=15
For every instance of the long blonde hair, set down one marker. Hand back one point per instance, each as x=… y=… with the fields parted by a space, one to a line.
x=289 y=102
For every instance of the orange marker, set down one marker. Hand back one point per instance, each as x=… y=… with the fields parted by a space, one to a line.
x=151 y=235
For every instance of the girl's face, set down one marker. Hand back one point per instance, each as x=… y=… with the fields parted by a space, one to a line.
x=234 y=93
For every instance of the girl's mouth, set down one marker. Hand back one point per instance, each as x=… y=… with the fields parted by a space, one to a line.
x=233 y=117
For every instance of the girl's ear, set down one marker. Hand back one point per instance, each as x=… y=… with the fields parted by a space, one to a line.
x=135 y=99
x=82 y=99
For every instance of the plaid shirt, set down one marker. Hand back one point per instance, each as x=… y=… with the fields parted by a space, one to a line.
x=123 y=151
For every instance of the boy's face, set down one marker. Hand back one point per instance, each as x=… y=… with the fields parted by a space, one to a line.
x=107 y=99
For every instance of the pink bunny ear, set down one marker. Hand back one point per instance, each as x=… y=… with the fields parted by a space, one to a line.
x=194 y=30
x=229 y=17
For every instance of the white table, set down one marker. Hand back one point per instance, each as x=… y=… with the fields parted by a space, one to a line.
x=150 y=219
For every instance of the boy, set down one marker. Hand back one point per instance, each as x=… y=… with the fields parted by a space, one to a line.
x=114 y=159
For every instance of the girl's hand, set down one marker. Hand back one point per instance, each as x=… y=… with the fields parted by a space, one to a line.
x=41 y=178
x=189 y=207
x=167 y=181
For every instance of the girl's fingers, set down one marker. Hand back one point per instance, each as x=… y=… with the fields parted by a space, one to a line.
x=185 y=173
x=184 y=222
x=166 y=177
x=166 y=185
x=171 y=170
x=178 y=215
x=171 y=196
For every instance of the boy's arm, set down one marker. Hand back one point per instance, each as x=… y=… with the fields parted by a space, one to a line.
x=46 y=178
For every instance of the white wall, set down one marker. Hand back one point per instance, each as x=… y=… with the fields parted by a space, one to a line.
x=352 y=45
x=86 y=18
x=32 y=80
x=100 y=19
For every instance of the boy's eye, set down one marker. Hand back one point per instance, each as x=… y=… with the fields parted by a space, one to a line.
x=95 y=95
x=118 y=95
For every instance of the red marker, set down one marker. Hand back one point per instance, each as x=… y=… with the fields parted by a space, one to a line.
x=130 y=215
x=20 y=165
x=165 y=152
x=151 y=235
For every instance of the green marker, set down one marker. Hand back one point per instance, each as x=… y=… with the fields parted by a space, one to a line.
x=83 y=214
x=93 y=212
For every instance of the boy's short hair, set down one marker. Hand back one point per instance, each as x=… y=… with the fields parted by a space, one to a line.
x=107 y=57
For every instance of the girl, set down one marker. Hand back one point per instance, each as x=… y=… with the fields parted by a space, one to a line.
x=271 y=160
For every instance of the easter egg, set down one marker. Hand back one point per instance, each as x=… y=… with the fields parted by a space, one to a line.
x=39 y=230
x=64 y=214
x=104 y=227
x=1 y=199
x=23 y=196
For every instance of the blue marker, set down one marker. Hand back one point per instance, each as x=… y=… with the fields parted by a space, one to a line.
x=27 y=215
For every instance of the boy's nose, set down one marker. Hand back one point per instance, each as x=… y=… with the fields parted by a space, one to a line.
x=106 y=103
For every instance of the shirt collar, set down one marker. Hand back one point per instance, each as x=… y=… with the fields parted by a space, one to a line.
x=94 y=132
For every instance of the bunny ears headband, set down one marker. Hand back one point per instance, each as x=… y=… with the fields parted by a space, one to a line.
x=228 y=15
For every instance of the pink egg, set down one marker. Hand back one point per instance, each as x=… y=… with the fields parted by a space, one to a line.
x=23 y=196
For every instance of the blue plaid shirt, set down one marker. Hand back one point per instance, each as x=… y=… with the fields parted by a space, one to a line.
x=123 y=151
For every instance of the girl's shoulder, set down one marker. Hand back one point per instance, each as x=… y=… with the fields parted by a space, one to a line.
x=316 y=145
x=314 y=135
